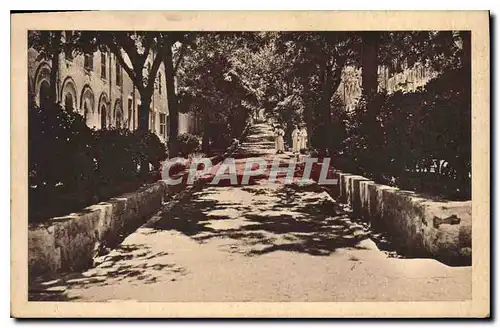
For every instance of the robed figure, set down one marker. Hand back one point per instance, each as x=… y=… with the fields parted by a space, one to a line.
x=303 y=139
x=279 y=140
x=296 y=140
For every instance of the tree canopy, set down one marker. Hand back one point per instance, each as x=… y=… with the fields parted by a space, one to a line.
x=224 y=78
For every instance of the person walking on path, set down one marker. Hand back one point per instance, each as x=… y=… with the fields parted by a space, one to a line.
x=279 y=141
x=295 y=139
x=303 y=138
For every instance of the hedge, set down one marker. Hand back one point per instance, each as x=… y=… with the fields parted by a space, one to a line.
x=415 y=140
x=72 y=166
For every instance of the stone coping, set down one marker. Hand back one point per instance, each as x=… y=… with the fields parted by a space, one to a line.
x=69 y=243
x=418 y=225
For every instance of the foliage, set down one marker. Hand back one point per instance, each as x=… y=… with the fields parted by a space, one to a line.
x=119 y=153
x=226 y=77
x=211 y=85
x=187 y=144
x=44 y=42
x=422 y=132
x=59 y=148
x=49 y=45
x=72 y=166
x=302 y=74
x=289 y=110
x=153 y=149
x=139 y=53
x=175 y=46
x=442 y=49
x=337 y=129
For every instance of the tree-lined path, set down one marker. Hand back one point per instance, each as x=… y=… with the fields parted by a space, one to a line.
x=259 y=242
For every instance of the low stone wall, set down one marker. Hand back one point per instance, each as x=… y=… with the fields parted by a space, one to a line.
x=418 y=226
x=69 y=243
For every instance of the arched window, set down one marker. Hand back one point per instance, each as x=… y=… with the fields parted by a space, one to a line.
x=87 y=104
x=42 y=84
x=86 y=112
x=119 y=119
x=44 y=94
x=102 y=109
x=69 y=94
x=118 y=114
x=103 y=117
x=68 y=102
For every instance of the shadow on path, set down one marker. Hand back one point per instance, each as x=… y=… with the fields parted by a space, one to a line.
x=263 y=219
x=130 y=263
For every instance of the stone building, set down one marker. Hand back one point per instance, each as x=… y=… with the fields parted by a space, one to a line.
x=102 y=92
x=406 y=79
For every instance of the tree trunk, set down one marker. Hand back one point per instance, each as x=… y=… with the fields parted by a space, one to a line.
x=143 y=127
x=369 y=90
x=173 y=110
x=308 y=119
x=331 y=84
x=369 y=65
x=143 y=124
x=54 y=72
x=369 y=62
x=205 y=142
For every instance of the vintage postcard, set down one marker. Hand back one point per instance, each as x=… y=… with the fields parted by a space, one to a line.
x=250 y=164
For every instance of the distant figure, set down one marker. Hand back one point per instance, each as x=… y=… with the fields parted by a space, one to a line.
x=235 y=144
x=303 y=138
x=262 y=115
x=279 y=141
x=296 y=139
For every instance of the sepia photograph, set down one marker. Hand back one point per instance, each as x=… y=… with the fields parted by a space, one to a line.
x=176 y=165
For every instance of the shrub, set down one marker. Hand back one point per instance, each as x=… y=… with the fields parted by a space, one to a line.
x=187 y=144
x=72 y=166
x=221 y=136
x=117 y=156
x=60 y=161
x=150 y=147
x=406 y=134
x=59 y=148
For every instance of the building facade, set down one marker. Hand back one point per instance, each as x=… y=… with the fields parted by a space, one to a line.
x=406 y=79
x=97 y=87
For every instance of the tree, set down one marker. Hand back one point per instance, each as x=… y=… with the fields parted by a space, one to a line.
x=211 y=84
x=49 y=45
x=319 y=59
x=394 y=134
x=170 y=39
x=139 y=53
x=440 y=49
x=263 y=70
x=369 y=65
x=397 y=50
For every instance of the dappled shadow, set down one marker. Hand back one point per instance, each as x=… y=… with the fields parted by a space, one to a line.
x=259 y=220
x=129 y=263
x=249 y=154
